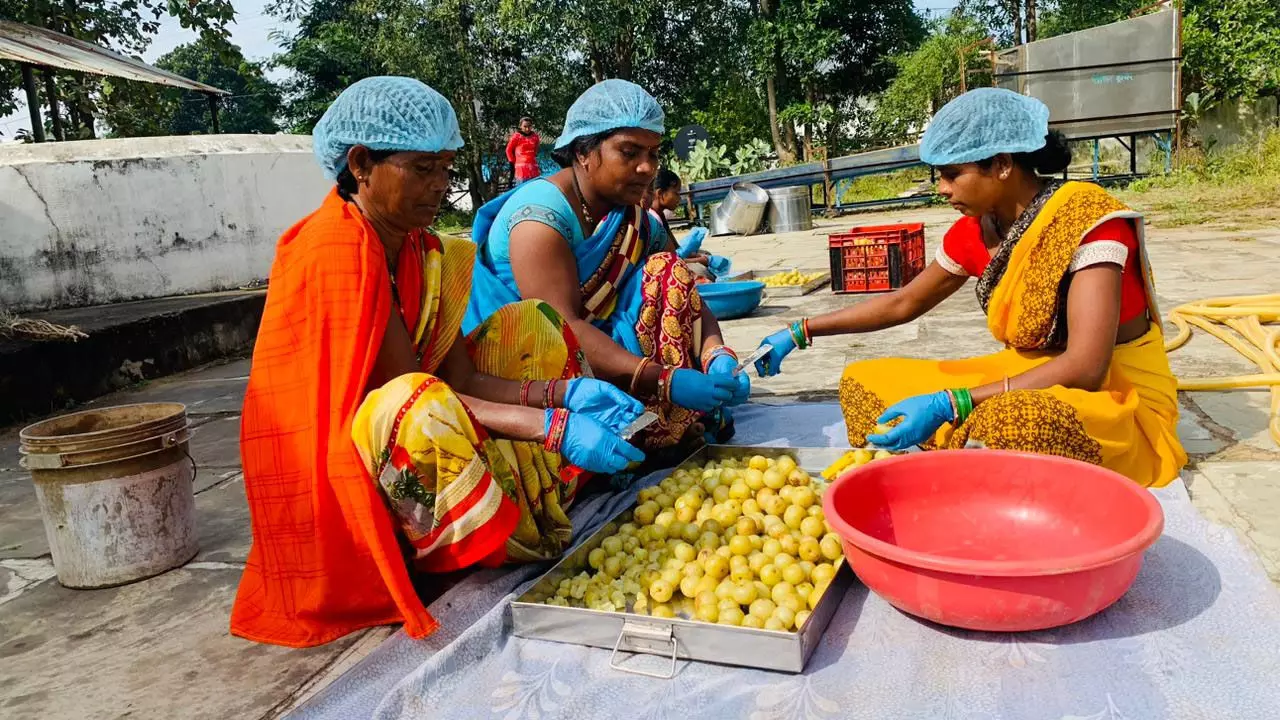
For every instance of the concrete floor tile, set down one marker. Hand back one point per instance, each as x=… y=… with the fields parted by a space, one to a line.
x=1196 y=439
x=1251 y=493
x=222 y=523
x=215 y=445
x=202 y=397
x=1245 y=412
x=158 y=648
x=21 y=529
x=19 y=576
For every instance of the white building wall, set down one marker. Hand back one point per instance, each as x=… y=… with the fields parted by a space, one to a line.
x=100 y=221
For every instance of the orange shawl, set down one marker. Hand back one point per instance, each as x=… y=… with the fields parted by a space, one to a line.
x=325 y=560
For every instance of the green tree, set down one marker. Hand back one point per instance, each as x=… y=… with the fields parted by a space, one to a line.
x=141 y=109
x=818 y=57
x=332 y=48
x=926 y=78
x=126 y=27
x=1067 y=16
x=1231 y=49
x=492 y=67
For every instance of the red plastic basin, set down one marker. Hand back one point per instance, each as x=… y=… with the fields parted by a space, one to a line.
x=991 y=540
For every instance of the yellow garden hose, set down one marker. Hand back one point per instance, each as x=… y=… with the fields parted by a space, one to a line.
x=1240 y=322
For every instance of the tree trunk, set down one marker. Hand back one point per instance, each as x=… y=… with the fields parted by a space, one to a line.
x=783 y=146
x=1031 y=20
x=597 y=67
x=51 y=90
x=1015 y=14
x=783 y=149
x=810 y=98
x=472 y=130
x=626 y=52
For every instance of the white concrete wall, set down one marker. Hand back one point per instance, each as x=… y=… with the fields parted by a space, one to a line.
x=1234 y=121
x=100 y=221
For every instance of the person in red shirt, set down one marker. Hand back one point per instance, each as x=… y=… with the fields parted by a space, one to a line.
x=1062 y=276
x=522 y=151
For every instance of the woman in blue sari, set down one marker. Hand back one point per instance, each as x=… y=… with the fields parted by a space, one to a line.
x=581 y=241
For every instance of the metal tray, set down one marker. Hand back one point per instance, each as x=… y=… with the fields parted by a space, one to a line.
x=790 y=291
x=678 y=638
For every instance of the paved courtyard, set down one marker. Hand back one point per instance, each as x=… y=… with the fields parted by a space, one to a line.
x=160 y=648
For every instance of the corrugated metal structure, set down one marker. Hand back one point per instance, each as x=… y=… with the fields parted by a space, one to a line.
x=39 y=46
x=36 y=47
x=1112 y=80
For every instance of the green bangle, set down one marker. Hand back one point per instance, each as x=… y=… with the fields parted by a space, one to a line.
x=797 y=335
x=964 y=404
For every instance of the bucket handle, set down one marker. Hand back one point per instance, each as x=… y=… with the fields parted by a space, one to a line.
x=58 y=461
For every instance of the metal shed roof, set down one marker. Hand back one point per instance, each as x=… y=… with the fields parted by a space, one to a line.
x=40 y=46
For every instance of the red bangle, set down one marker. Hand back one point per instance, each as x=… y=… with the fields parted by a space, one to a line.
x=635 y=376
x=555 y=434
x=525 y=387
x=715 y=352
x=664 y=384
x=548 y=395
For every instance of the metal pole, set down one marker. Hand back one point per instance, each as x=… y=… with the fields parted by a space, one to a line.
x=33 y=102
x=1096 y=158
x=1177 y=78
x=827 y=189
x=51 y=89
x=1133 y=154
x=213 y=113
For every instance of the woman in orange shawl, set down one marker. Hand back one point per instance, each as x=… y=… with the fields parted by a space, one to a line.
x=376 y=439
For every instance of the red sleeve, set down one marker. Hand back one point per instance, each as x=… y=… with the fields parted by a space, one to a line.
x=511 y=146
x=963 y=246
x=1118 y=230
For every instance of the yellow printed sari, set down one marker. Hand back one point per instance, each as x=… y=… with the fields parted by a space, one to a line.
x=1129 y=425
x=459 y=496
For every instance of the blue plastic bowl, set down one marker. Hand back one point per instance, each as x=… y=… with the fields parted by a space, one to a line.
x=730 y=300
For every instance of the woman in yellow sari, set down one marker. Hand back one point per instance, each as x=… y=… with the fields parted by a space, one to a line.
x=1065 y=283
x=377 y=440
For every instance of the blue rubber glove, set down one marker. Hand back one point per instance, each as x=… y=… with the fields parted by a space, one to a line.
x=725 y=365
x=921 y=415
x=605 y=403
x=692 y=243
x=704 y=393
x=593 y=447
x=783 y=344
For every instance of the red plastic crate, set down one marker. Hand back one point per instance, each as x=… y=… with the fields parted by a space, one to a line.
x=876 y=258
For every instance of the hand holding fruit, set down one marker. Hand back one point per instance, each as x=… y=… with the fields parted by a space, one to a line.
x=921 y=415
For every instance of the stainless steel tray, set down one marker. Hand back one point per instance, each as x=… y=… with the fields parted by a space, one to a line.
x=677 y=638
x=788 y=291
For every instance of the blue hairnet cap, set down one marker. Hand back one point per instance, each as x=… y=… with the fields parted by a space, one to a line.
x=384 y=113
x=983 y=123
x=610 y=105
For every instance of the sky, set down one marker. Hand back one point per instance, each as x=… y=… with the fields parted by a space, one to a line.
x=251 y=31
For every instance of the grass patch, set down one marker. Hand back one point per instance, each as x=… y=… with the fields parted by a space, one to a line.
x=882 y=186
x=452 y=222
x=1227 y=185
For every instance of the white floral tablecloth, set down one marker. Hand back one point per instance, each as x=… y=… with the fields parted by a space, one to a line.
x=1198 y=636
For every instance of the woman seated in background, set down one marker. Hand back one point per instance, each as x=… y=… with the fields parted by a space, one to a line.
x=1063 y=278
x=662 y=200
x=581 y=241
x=374 y=435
